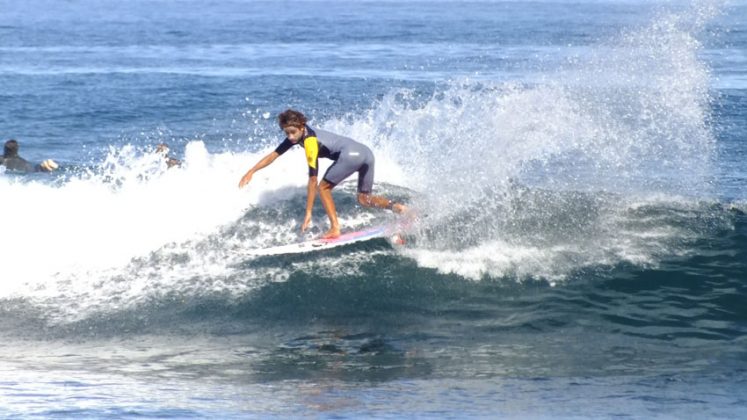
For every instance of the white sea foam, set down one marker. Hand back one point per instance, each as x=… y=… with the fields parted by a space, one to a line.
x=512 y=179
x=131 y=228
x=625 y=123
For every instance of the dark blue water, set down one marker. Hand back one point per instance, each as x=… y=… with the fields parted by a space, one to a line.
x=578 y=169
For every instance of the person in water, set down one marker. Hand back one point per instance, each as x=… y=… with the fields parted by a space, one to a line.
x=348 y=155
x=13 y=162
x=163 y=150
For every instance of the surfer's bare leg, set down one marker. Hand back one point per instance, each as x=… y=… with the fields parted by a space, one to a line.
x=325 y=194
x=369 y=200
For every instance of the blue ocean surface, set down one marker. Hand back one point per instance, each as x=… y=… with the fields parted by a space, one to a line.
x=578 y=170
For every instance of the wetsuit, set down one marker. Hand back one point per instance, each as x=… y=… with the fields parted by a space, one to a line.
x=17 y=163
x=349 y=156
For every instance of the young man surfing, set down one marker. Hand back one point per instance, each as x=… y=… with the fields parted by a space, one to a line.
x=348 y=155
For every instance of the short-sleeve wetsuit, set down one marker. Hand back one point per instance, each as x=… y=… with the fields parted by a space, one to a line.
x=349 y=156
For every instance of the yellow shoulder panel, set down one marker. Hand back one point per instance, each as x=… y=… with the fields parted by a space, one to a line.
x=311 y=146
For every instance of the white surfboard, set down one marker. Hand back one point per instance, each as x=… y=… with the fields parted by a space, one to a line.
x=321 y=244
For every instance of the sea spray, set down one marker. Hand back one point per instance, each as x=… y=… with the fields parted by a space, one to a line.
x=100 y=219
x=521 y=180
x=538 y=179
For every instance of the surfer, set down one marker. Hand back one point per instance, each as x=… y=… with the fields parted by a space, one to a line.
x=348 y=155
x=13 y=162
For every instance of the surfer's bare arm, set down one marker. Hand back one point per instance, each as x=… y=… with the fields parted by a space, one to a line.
x=264 y=162
x=310 y=197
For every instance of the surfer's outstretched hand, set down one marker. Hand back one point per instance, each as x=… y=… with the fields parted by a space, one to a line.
x=245 y=179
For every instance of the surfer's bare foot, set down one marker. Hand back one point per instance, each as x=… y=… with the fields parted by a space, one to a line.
x=399 y=208
x=332 y=233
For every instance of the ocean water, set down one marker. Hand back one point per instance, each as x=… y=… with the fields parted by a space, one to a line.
x=578 y=168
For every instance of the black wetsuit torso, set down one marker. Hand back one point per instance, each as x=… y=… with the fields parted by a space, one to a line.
x=17 y=163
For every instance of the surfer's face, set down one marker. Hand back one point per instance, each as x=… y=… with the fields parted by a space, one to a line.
x=294 y=133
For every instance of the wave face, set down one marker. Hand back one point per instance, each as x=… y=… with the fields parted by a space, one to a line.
x=602 y=162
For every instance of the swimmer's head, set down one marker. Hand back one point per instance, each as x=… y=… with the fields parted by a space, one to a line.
x=162 y=148
x=11 y=148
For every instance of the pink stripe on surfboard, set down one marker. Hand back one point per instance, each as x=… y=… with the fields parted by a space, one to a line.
x=354 y=235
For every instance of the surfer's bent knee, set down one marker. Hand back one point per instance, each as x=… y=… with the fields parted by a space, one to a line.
x=364 y=199
x=367 y=200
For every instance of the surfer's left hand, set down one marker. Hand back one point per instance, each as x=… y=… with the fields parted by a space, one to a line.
x=306 y=222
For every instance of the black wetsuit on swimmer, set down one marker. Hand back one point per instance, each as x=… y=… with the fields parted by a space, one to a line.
x=18 y=164
x=349 y=156
x=12 y=162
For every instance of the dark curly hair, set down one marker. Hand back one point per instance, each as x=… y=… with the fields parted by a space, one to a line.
x=291 y=117
x=10 y=148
